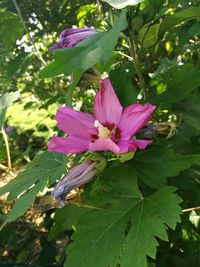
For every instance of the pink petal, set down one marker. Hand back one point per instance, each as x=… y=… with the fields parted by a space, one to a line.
x=142 y=144
x=133 y=118
x=125 y=147
x=104 y=144
x=107 y=108
x=68 y=145
x=76 y=123
x=132 y=145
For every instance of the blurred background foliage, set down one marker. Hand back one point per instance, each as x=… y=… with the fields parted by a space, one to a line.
x=168 y=48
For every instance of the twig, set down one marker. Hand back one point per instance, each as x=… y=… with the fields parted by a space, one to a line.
x=3 y=167
x=121 y=53
x=191 y=209
x=27 y=31
x=137 y=66
x=7 y=148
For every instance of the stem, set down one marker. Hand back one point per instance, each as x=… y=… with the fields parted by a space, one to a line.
x=27 y=31
x=137 y=66
x=123 y=54
x=3 y=167
x=191 y=209
x=71 y=88
x=7 y=148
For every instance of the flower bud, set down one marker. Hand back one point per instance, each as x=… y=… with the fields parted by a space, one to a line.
x=149 y=131
x=77 y=177
x=166 y=129
x=71 y=37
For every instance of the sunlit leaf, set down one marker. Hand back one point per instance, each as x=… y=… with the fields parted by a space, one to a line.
x=45 y=169
x=6 y=101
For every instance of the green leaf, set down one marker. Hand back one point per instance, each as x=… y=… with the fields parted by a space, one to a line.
x=19 y=64
x=178 y=18
x=150 y=218
x=175 y=88
x=65 y=218
x=119 y=4
x=5 y=102
x=23 y=203
x=194 y=29
x=122 y=223
x=151 y=33
x=96 y=49
x=95 y=233
x=7 y=99
x=191 y=111
x=155 y=164
x=11 y=28
x=122 y=80
x=148 y=35
x=46 y=166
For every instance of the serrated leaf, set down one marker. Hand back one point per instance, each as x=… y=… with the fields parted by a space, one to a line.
x=96 y=230
x=65 y=218
x=96 y=49
x=46 y=166
x=103 y=236
x=23 y=203
x=150 y=218
x=119 y=4
x=156 y=164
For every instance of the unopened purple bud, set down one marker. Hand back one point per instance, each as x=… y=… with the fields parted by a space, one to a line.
x=70 y=37
x=77 y=177
x=149 y=131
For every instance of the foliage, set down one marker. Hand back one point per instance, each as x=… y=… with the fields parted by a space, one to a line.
x=130 y=214
x=121 y=203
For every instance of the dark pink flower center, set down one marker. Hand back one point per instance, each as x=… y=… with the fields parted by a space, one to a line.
x=107 y=130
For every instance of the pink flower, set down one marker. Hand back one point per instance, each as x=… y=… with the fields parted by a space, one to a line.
x=70 y=37
x=78 y=176
x=111 y=127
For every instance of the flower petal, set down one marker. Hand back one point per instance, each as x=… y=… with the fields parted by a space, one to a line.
x=141 y=144
x=133 y=118
x=125 y=147
x=104 y=144
x=79 y=169
x=76 y=123
x=70 y=37
x=107 y=108
x=132 y=145
x=68 y=145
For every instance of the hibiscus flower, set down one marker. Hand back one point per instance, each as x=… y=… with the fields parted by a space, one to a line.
x=110 y=128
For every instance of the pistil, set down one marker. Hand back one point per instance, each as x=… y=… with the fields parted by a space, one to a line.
x=103 y=131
